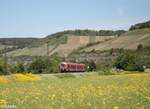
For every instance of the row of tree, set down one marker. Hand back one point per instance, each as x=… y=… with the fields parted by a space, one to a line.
x=40 y=65
x=87 y=32
x=140 y=26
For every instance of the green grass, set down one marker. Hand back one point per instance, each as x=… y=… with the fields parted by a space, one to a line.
x=90 y=91
x=66 y=76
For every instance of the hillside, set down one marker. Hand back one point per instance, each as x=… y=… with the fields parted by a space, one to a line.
x=128 y=40
x=12 y=44
x=19 y=42
x=140 y=25
x=65 y=42
x=62 y=45
x=74 y=42
x=60 y=42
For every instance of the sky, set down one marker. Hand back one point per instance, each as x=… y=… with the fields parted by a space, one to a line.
x=39 y=18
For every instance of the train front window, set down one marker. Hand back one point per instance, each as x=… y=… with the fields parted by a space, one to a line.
x=62 y=65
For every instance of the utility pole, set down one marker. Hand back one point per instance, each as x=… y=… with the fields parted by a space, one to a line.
x=47 y=44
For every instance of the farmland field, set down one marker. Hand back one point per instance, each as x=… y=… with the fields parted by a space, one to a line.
x=89 y=91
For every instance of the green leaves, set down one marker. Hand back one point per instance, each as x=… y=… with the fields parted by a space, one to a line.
x=130 y=62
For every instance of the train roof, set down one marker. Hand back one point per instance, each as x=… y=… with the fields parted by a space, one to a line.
x=70 y=63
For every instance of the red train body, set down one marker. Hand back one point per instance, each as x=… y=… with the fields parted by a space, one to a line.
x=72 y=67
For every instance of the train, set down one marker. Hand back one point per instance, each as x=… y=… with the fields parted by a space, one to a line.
x=72 y=67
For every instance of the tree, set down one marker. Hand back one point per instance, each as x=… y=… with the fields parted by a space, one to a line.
x=139 y=47
x=111 y=51
x=37 y=66
x=140 y=26
x=130 y=62
x=55 y=61
x=19 y=68
x=91 y=65
x=2 y=70
x=44 y=65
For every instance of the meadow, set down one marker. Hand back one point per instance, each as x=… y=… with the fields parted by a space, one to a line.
x=89 y=91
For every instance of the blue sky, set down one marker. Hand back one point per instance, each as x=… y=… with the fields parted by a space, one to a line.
x=38 y=18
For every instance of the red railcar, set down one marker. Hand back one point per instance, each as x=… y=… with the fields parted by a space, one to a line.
x=71 y=67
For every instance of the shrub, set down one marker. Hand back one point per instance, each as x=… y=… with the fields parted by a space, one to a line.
x=19 y=68
x=130 y=62
x=139 y=47
x=55 y=61
x=91 y=65
x=37 y=66
x=44 y=65
x=2 y=68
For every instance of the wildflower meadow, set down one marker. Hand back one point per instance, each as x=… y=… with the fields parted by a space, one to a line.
x=89 y=91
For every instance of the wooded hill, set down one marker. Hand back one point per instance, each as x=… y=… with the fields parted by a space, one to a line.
x=66 y=42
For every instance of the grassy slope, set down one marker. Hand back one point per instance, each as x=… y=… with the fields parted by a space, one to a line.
x=2 y=46
x=127 y=91
x=35 y=51
x=39 y=48
x=129 y=40
x=63 y=45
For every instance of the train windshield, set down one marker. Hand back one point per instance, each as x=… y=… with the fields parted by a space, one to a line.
x=62 y=65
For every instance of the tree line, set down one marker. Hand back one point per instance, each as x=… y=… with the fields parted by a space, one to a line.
x=140 y=25
x=88 y=32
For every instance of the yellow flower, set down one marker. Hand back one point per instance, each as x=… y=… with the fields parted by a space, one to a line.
x=25 y=77
x=147 y=97
x=3 y=102
x=116 y=107
x=3 y=80
x=53 y=97
x=37 y=98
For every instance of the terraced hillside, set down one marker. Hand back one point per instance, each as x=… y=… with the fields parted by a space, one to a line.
x=129 y=40
x=63 y=45
x=66 y=43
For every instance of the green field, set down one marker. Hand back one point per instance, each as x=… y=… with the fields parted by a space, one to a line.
x=89 y=91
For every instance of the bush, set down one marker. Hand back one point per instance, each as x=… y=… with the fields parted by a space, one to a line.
x=139 y=47
x=91 y=66
x=38 y=66
x=2 y=68
x=19 y=68
x=129 y=62
x=55 y=61
x=44 y=65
